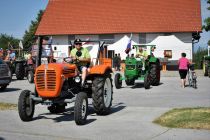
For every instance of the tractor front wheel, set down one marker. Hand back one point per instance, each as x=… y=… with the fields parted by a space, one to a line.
x=147 y=81
x=117 y=81
x=30 y=77
x=26 y=106
x=19 y=71
x=155 y=74
x=102 y=92
x=81 y=108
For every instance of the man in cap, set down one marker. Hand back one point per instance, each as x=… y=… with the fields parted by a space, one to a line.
x=82 y=55
x=141 y=53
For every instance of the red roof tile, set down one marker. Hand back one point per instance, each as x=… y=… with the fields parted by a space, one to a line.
x=120 y=16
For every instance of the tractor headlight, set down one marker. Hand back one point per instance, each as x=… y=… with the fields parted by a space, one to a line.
x=77 y=79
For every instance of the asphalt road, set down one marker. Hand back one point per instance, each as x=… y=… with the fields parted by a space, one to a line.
x=133 y=111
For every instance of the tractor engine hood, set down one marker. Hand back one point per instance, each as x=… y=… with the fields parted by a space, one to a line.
x=49 y=78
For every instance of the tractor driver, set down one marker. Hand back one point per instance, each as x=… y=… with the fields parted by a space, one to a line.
x=82 y=55
x=141 y=53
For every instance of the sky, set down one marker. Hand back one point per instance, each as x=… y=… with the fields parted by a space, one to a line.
x=16 y=16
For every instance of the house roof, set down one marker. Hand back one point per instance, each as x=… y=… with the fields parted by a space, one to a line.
x=120 y=16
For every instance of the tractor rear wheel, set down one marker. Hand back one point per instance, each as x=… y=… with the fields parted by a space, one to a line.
x=30 y=77
x=26 y=106
x=205 y=68
x=19 y=71
x=155 y=74
x=147 y=81
x=102 y=92
x=81 y=108
x=117 y=81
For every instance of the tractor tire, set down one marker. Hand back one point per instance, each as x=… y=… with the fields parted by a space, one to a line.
x=117 y=81
x=209 y=71
x=205 y=68
x=30 y=77
x=3 y=87
x=102 y=94
x=155 y=74
x=56 y=108
x=26 y=106
x=19 y=71
x=81 y=108
x=147 y=81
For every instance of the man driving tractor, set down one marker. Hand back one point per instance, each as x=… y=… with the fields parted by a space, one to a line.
x=141 y=53
x=82 y=55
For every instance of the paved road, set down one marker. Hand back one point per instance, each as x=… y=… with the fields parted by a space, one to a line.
x=134 y=109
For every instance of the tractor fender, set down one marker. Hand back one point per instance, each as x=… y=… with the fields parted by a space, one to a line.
x=153 y=60
x=100 y=69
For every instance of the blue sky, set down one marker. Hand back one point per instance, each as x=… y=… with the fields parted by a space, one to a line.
x=16 y=16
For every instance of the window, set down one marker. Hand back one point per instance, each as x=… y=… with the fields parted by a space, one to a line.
x=142 y=38
x=71 y=39
x=108 y=38
x=168 y=53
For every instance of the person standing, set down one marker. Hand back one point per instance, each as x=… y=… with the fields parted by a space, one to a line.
x=115 y=62
x=118 y=62
x=183 y=68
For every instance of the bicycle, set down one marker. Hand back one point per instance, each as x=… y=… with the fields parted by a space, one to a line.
x=192 y=78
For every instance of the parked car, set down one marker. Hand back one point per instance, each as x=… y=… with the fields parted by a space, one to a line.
x=5 y=75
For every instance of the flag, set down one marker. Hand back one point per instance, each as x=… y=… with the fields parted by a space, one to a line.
x=21 y=44
x=128 y=48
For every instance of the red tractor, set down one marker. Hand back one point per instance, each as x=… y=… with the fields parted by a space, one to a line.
x=57 y=84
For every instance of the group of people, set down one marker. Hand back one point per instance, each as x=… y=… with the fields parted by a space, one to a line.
x=117 y=62
x=10 y=56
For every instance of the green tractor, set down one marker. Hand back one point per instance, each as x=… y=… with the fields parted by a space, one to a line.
x=138 y=69
x=206 y=64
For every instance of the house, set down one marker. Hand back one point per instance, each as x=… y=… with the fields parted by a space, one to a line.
x=171 y=25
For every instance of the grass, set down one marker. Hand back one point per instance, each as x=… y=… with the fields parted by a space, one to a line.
x=7 y=106
x=193 y=118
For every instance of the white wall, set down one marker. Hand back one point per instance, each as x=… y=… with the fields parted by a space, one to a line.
x=177 y=42
x=60 y=46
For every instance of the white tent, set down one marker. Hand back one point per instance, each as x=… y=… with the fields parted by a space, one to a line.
x=171 y=43
x=121 y=45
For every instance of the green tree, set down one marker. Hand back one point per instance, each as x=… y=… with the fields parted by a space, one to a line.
x=198 y=57
x=7 y=41
x=29 y=36
x=207 y=20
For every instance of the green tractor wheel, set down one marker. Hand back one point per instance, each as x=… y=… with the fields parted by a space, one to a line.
x=147 y=81
x=155 y=74
x=117 y=81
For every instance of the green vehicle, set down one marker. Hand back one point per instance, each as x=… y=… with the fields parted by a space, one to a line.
x=138 y=69
x=206 y=64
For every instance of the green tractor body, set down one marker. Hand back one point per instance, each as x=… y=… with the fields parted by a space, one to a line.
x=139 y=69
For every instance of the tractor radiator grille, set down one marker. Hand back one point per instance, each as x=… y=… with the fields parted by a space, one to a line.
x=130 y=67
x=46 y=80
x=3 y=70
x=68 y=71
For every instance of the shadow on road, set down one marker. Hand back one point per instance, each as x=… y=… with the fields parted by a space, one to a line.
x=2 y=138
x=10 y=90
x=68 y=115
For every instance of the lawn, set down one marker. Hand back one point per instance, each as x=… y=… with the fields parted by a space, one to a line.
x=194 y=118
x=7 y=106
